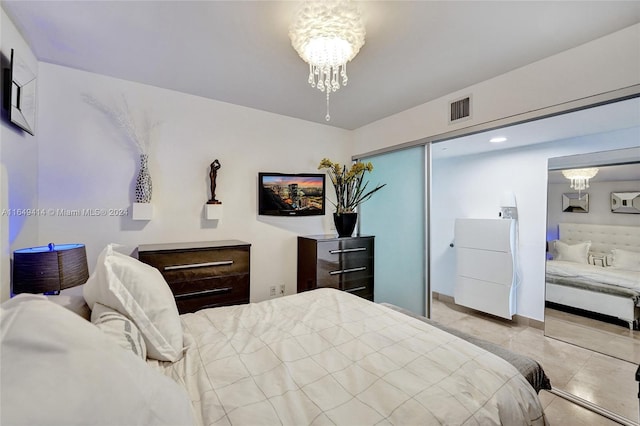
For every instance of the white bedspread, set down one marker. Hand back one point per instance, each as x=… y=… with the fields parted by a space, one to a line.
x=593 y=274
x=328 y=357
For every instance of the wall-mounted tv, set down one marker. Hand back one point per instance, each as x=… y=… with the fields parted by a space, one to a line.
x=282 y=194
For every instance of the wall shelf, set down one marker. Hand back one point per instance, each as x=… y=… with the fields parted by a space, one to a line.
x=213 y=211
x=142 y=211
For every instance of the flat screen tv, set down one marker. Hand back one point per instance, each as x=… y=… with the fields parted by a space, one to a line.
x=282 y=194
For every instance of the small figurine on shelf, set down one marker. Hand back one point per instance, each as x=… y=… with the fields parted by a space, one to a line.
x=213 y=175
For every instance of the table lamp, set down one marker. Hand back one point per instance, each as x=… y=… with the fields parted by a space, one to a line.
x=49 y=269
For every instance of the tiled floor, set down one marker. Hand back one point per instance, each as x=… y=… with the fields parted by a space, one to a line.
x=600 y=336
x=603 y=380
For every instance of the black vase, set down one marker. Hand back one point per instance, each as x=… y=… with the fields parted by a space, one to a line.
x=345 y=223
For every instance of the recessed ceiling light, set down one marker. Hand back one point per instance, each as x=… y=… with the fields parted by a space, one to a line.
x=497 y=139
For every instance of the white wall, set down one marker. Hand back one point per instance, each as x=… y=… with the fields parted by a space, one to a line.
x=18 y=165
x=85 y=164
x=609 y=63
x=471 y=186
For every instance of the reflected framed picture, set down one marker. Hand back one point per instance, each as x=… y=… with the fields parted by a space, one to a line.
x=20 y=94
x=575 y=202
x=625 y=202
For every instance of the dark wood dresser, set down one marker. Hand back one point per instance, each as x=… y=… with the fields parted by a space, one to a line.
x=202 y=274
x=342 y=263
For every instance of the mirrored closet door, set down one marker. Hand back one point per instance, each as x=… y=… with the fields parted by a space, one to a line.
x=468 y=176
x=592 y=294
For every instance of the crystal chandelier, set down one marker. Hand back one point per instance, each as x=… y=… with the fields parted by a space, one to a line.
x=580 y=177
x=327 y=34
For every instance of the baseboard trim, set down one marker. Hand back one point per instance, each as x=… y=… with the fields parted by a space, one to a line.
x=517 y=319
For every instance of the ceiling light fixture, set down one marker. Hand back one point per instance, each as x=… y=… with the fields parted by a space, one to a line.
x=580 y=177
x=327 y=35
x=497 y=139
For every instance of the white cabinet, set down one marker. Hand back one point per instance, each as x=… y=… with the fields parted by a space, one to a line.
x=486 y=266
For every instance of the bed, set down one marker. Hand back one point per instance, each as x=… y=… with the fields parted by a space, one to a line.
x=318 y=357
x=596 y=268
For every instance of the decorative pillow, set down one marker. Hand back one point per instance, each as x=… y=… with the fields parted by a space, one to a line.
x=578 y=253
x=59 y=369
x=625 y=259
x=139 y=292
x=120 y=328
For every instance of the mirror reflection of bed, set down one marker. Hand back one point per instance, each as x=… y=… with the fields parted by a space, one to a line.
x=593 y=262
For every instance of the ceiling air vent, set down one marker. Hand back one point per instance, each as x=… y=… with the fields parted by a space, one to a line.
x=460 y=109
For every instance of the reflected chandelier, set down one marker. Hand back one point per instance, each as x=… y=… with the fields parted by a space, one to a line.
x=327 y=34
x=580 y=177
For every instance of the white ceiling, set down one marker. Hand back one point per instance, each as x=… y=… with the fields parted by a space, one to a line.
x=239 y=51
x=601 y=119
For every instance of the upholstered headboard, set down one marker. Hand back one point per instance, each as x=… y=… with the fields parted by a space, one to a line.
x=603 y=238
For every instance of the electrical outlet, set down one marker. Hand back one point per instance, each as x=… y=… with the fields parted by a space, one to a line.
x=272 y=291
x=281 y=289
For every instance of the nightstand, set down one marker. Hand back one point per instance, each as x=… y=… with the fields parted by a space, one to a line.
x=202 y=274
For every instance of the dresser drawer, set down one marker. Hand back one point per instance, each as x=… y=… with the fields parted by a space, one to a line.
x=341 y=274
x=349 y=252
x=204 y=274
x=192 y=264
x=344 y=263
x=366 y=292
x=208 y=293
x=186 y=306
x=236 y=286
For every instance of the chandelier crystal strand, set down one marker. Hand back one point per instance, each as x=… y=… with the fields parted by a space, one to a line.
x=327 y=34
x=327 y=117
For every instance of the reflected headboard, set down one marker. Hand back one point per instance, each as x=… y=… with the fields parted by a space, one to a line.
x=603 y=238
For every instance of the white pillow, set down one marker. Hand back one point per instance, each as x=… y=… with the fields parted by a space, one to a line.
x=139 y=292
x=72 y=299
x=578 y=253
x=59 y=369
x=120 y=328
x=625 y=259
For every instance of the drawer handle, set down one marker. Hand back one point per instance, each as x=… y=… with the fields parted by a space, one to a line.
x=346 y=271
x=203 y=292
x=198 y=265
x=351 y=250
x=352 y=290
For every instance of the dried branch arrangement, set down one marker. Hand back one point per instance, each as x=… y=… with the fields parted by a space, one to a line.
x=137 y=131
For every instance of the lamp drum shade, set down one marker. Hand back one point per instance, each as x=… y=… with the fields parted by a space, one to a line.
x=49 y=268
